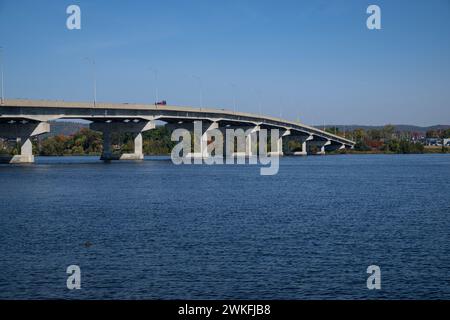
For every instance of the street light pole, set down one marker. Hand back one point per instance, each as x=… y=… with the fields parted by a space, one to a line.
x=258 y=97
x=94 y=78
x=233 y=86
x=281 y=104
x=95 y=82
x=201 y=89
x=1 y=71
x=155 y=72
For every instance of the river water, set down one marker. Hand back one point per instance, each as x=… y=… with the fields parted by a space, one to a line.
x=160 y=231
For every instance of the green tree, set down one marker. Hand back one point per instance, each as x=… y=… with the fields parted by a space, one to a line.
x=359 y=134
x=393 y=146
x=388 y=131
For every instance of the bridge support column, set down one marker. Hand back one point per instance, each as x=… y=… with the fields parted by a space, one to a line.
x=322 y=147
x=106 y=152
x=335 y=147
x=238 y=142
x=279 y=148
x=201 y=137
x=304 y=151
x=22 y=132
x=137 y=128
x=251 y=142
x=205 y=139
x=138 y=154
x=26 y=152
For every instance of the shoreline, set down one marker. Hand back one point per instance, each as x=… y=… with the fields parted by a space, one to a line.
x=285 y=155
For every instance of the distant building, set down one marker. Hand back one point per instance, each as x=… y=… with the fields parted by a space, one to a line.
x=446 y=142
x=433 y=142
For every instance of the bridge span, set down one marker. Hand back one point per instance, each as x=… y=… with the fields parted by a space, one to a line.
x=24 y=119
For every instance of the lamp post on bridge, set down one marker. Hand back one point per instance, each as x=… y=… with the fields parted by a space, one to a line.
x=233 y=86
x=1 y=71
x=94 y=78
x=258 y=96
x=281 y=105
x=201 y=89
x=155 y=72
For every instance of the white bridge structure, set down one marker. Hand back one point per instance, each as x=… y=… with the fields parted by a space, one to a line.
x=24 y=119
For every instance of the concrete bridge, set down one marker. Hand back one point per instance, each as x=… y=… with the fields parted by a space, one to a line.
x=24 y=119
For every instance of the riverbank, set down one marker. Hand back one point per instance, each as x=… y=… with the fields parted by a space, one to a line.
x=426 y=150
x=158 y=142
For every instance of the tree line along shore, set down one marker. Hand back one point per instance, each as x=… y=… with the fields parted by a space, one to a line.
x=158 y=142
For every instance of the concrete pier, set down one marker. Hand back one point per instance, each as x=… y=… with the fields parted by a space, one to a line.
x=322 y=147
x=23 y=132
x=202 y=134
x=136 y=128
x=279 y=149
x=304 y=140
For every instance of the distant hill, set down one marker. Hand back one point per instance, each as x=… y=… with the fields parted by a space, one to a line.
x=398 y=127
x=65 y=128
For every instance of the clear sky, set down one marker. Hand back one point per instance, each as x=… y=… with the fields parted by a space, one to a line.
x=312 y=60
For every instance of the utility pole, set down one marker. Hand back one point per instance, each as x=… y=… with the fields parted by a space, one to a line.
x=233 y=86
x=95 y=82
x=258 y=97
x=1 y=71
x=92 y=61
x=200 y=88
x=281 y=104
x=155 y=72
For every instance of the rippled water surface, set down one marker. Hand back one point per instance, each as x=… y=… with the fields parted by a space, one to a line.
x=160 y=231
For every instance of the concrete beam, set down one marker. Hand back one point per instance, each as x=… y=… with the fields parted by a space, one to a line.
x=123 y=127
x=23 y=129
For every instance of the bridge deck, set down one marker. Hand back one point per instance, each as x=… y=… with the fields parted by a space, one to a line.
x=53 y=110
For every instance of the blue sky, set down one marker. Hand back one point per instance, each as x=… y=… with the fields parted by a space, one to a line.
x=312 y=60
